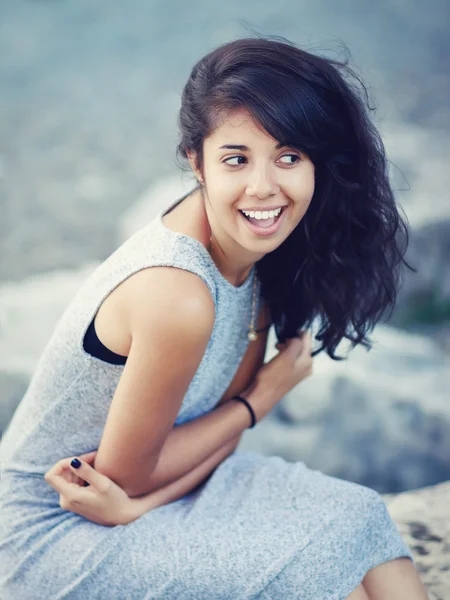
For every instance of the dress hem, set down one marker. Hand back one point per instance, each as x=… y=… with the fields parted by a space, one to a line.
x=356 y=578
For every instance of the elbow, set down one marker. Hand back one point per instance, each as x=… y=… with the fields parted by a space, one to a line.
x=154 y=480
x=135 y=489
x=133 y=492
x=141 y=486
x=133 y=482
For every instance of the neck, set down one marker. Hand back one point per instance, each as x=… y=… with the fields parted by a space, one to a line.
x=236 y=272
x=229 y=260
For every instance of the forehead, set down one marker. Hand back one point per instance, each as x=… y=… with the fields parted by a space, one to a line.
x=237 y=125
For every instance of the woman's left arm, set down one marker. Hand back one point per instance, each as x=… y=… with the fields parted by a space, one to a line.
x=106 y=503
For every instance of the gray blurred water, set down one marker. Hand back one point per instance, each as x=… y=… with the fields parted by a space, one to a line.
x=89 y=94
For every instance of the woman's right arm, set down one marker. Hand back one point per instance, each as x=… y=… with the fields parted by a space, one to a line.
x=171 y=319
x=138 y=506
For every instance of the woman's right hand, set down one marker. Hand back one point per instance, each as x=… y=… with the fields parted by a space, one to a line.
x=277 y=377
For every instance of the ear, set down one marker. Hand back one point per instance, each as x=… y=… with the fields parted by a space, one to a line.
x=192 y=157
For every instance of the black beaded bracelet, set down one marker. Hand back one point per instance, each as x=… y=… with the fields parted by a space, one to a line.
x=247 y=404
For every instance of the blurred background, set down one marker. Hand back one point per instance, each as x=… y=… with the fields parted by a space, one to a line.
x=90 y=93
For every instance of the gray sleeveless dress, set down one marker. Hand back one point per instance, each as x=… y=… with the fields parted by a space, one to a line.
x=259 y=527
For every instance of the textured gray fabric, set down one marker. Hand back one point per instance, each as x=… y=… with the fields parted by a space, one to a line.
x=260 y=527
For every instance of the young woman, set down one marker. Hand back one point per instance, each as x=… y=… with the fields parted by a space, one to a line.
x=156 y=367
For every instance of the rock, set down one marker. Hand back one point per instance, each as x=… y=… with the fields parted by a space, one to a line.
x=422 y=517
x=424 y=299
x=421 y=186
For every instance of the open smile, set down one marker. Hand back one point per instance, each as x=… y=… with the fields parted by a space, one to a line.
x=264 y=226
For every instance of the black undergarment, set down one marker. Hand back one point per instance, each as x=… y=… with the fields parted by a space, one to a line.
x=94 y=347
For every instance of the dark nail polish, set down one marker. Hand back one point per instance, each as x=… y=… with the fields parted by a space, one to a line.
x=76 y=463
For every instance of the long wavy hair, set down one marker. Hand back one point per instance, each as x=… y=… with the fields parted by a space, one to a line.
x=341 y=264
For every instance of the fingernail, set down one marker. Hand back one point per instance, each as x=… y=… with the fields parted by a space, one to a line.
x=75 y=463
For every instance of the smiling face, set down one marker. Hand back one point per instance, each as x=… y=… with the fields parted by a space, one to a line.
x=245 y=169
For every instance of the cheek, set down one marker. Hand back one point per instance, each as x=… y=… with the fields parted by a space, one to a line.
x=306 y=187
x=308 y=193
x=223 y=202
x=223 y=193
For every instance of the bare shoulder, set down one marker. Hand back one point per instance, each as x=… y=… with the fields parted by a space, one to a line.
x=168 y=297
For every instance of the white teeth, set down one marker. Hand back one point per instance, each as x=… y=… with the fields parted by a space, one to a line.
x=267 y=214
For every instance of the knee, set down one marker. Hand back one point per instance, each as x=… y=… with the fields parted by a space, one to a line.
x=358 y=594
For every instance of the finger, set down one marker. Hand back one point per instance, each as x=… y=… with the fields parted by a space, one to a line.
x=61 y=485
x=305 y=334
x=63 y=478
x=295 y=346
x=76 y=471
x=304 y=354
x=89 y=457
x=70 y=476
x=62 y=468
x=89 y=474
x=57 y=469
x=308 y=342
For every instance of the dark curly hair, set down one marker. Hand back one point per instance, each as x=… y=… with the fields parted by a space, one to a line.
x=341 y=263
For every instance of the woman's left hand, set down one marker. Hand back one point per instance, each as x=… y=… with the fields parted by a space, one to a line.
x=103 y=501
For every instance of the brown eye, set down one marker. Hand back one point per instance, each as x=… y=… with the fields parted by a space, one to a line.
x=297 y=158
x=232 y=158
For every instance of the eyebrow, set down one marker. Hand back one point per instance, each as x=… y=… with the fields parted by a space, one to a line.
x=244 y=148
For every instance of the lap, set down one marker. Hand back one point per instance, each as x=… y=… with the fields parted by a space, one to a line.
x=255 y=521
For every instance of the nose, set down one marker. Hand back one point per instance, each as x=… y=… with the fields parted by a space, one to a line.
x=261 y=183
